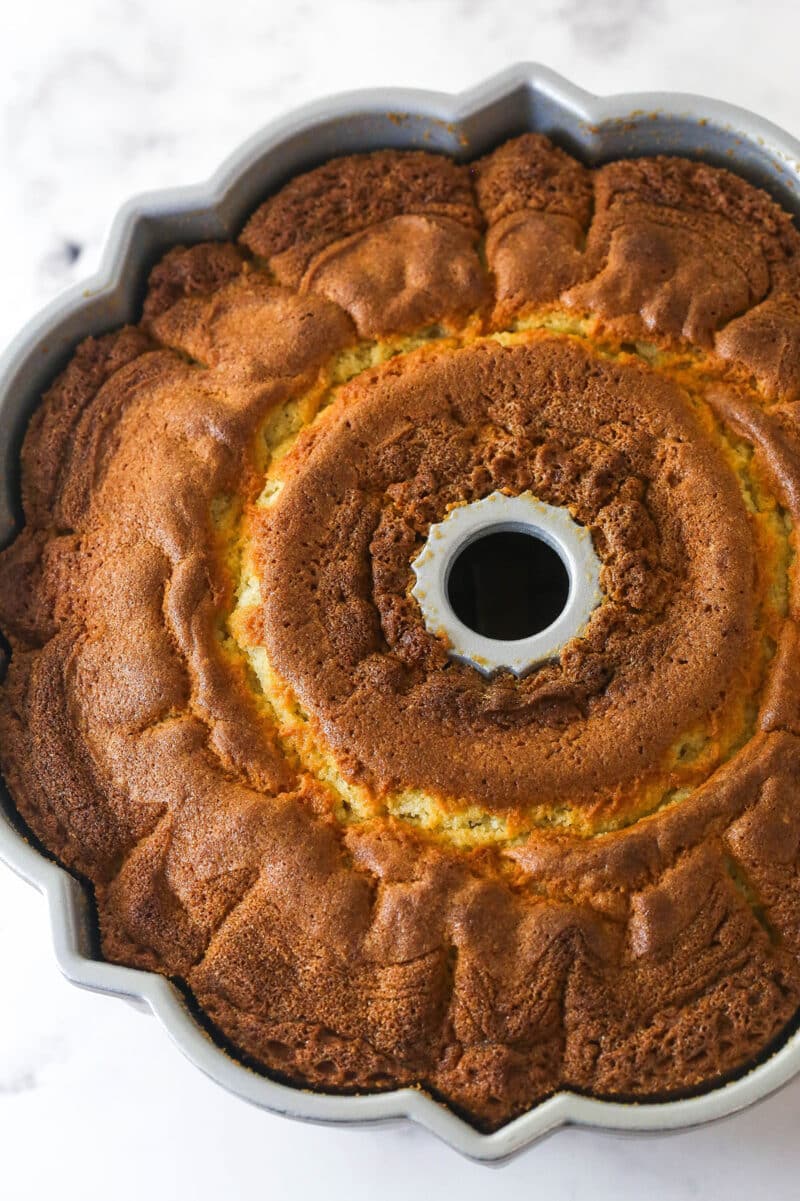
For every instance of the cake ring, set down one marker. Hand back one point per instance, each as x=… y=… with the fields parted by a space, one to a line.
x=388 y=828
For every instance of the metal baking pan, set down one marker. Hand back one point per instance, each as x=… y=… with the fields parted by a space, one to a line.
x=522 y=98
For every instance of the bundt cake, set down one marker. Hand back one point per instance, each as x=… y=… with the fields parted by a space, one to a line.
x=368 y=863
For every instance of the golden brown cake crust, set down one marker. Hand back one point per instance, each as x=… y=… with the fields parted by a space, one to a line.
x=615 y=443
x=370 y=864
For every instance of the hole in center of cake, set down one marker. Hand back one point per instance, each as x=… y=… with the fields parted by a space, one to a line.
x=507 y=581
x=508 y=584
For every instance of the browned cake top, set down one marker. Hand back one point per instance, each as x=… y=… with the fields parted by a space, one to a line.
x=372 y=864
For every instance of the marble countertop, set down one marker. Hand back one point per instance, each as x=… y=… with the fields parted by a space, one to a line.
x=100 y=99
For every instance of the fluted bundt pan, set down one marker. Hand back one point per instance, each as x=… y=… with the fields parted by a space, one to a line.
x=689 y=492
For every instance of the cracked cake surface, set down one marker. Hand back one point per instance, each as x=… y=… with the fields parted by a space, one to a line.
x=369 y=864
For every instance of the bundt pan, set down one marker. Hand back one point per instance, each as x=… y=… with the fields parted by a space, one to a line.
x=524 y=98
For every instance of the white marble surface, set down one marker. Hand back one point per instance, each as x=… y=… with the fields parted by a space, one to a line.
x=102 y=99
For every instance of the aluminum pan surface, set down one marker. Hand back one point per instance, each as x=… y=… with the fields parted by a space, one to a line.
x=522 y=98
